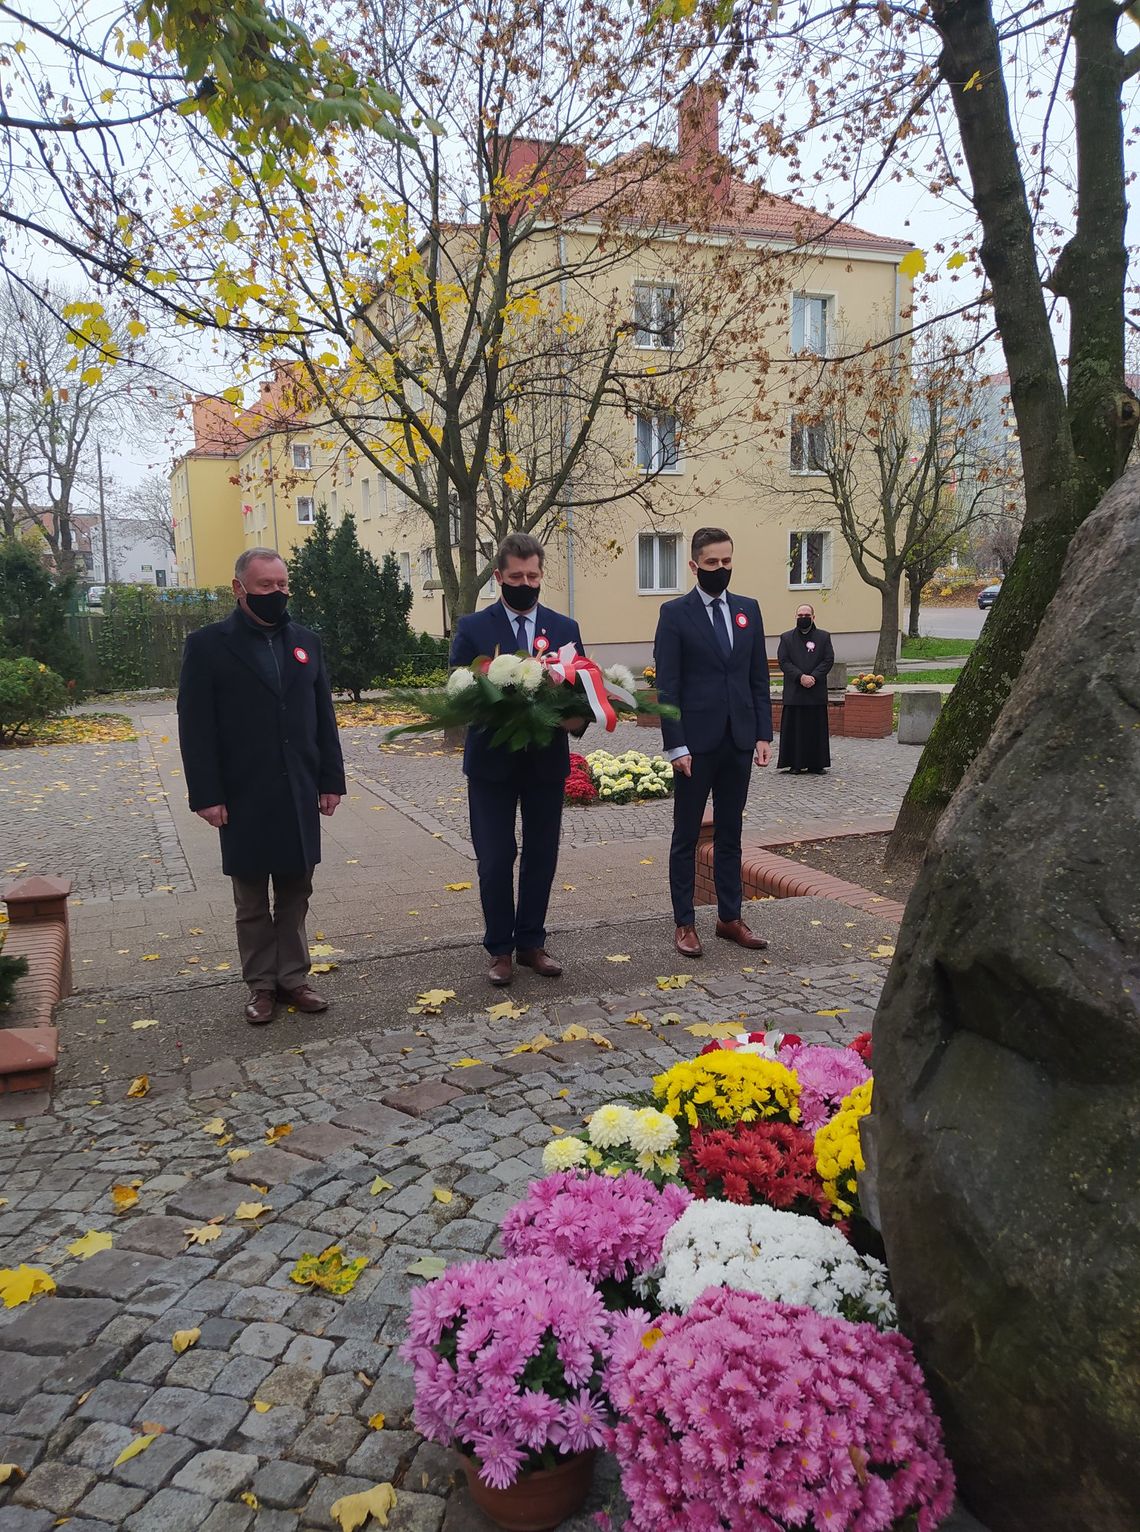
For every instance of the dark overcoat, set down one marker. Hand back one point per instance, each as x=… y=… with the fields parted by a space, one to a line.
x=717 y=693
x=265 y=750
x=796 y=660
x=491 y=631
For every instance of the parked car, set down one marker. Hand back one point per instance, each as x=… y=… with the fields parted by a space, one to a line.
x=94 y=595
x=988 y=596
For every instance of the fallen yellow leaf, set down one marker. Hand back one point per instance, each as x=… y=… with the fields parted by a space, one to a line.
x=506 y=1010
x=90 y=1244
x=144 y=1022
x=674 y=980
x=883 y=950
x=226 y=1138
x=601 y=1040
x=352 y=1511
x=261 y=1407
x=534 y=1044
x=637 y=1020
x=125 y=1196
x=329 y=1271
x=195 y=930
x=247 y=1210
x=149 y=957
x=132 y=1449
x=10 y=1470
x=182 y=1340
x=441 y=1194
x=456 y=888
x=376 y=1421
x=139 y=1086
x=378 y=1186
x=215 y=1125
x=427 y=1266
x=282 y=1130
x=430 y=1002
x=19 y=1283
x=235 y=1155
x=647 y=861
x=466 y=1063
x=569 y=887
x=250 y=1499
x=618 y=957
x=575 y=1033
x=221 y=967
x=713 y=1029
x=839 y=1012
x=206 y=1235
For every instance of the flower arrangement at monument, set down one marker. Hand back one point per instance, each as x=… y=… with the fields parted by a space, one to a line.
x=743 y=1408
x=521 y=700
x=610 y=1228
x=620 y=1138
x=868 y=683
x=630 y=776
x=580 y=785
x=779 y=1393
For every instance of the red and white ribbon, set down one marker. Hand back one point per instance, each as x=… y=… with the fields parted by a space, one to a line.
x=568 y=666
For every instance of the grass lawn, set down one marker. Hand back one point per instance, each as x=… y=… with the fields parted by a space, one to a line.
x=935 y=648
x=924 y=678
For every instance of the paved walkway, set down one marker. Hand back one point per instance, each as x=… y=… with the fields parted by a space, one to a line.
x=152 y=902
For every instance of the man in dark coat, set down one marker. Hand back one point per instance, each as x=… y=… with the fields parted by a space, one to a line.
x=805 y=656
x=262 y=759
x=501 y=781
x=712 y=664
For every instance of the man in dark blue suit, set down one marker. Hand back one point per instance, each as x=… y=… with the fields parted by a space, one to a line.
x=712 y=664
x=499 y=781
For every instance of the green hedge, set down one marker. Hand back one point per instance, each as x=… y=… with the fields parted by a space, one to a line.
x=136 y=641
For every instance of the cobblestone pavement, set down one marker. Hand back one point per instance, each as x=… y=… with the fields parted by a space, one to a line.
x=868 y=777
x=96 y=812
x=274 y=1400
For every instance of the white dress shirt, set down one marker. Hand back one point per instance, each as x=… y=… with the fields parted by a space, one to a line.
x=531 y=620
x=714 y=618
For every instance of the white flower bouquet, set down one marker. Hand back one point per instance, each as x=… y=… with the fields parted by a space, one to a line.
x=522 y=701
x=779 y=1256
x=622 y=778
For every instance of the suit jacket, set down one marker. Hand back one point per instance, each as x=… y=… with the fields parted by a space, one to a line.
x=265 y=751
x=716 y=693
x=797 y=660
x=481 y=634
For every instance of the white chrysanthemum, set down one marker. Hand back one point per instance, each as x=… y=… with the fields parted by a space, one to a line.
x=530 y=675
x=619 y=675
x=564 y=1154
x=610 y=1125
x=459 y=681
x=504 y=670
x=652 y=1131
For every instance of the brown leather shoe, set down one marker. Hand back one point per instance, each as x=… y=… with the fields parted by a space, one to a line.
x=304 y=998
x=736 y=931
x=687 y=942
x=540 y=960
x=501 y=971
x=260 y=1006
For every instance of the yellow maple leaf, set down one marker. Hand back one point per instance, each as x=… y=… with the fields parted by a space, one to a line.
x=247 y=1210
x=125 y=1195
x=144 y=1022
x=215 y=1125
x=466 y=1063
x=132 y=1449
x=377 y=1421
x=618 y=957
x=956 y=260
x=378 y=1186
x=19 y=1283
x=912 y=264
x=182 y=1340
x=206 y=1235
x=139 y=1086
x=601 y=1040
x=261 y=1407
x=250 y=1499
x=430 y=1002
x=713 y=1029
x=456 y=888
x=149 y=957
x=534 y=1044
x=13 y=1470
x=282 y=1130
x=507 y=1010
x=235 y=1155
x=441 y=1194
x=321 y=967
x=90 y=1244
x=673 y=980
x=226 y=1138
x=883 y=950
x=352 y=1511
x=637 y=1020
x=575 y=1033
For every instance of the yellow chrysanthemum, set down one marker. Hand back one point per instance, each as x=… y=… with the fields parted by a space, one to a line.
x=839 y=1151
x=564 y=1154
x=728 y=1087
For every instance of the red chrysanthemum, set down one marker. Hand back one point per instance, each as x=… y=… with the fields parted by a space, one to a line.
x=769 y=1162
x=862 y=1046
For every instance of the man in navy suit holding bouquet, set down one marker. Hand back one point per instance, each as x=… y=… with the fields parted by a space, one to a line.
x=500 y=781
x=713 y=665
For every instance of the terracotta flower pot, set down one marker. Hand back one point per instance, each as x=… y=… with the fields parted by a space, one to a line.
x=540 y=1500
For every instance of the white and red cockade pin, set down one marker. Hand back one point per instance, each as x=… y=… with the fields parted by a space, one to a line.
x=741 y=620
x=541 y=644
x=300 y=655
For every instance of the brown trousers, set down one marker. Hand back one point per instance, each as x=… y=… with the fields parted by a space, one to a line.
x=273 y=946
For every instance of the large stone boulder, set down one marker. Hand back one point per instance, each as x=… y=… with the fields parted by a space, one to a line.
x=1007 y=1060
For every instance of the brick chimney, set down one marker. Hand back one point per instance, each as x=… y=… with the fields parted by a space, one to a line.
x=698 y=140
x=559 y=165
x=216 y=433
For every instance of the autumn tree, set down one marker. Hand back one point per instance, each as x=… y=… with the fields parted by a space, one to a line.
x=144 y=510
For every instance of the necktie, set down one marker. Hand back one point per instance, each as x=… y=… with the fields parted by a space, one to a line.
x=720 y=627
x=523 y=645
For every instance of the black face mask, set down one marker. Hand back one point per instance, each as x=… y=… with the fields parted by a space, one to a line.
x=805 y=624
x=714 y=582
x=271 y=607
x=520 y=598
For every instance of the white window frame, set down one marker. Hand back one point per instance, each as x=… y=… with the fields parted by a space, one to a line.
x=366 y=499
x=802 y=430
x=825 y=558
x=657 y=588
x=799 y=307
x=301 y=502
x=405 y=562
x=657 y=458
x=302 y=456
x=656 y=317
x=427 y=564
x=334 y=505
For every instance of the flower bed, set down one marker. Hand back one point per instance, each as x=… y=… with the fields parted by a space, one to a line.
x=627 y=778
x=729 y=1341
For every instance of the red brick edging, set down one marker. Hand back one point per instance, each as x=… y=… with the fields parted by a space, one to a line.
x=763 y=872
x=38 y=930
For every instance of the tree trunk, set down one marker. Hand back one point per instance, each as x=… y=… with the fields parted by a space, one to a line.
x=887 y=653
x=1061 y=487
x=915 y=604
